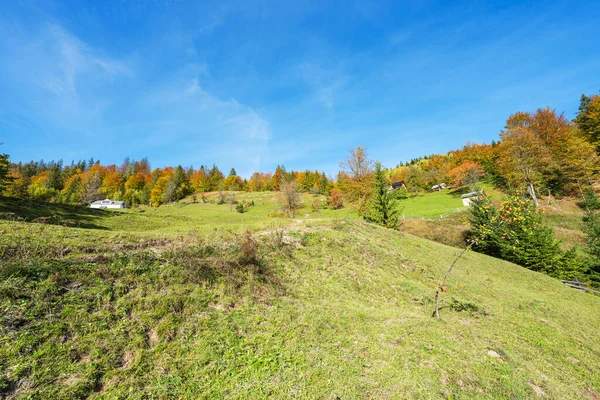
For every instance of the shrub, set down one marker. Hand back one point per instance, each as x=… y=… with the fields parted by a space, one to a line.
x=240 y=208
x=248 y=250
x=335 y=199
x=316 y=205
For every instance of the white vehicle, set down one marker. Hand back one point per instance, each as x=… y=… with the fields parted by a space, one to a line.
x=108 y=204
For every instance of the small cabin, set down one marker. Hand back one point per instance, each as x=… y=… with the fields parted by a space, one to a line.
x=467 y=198
x=106 y=203
x=397 y=186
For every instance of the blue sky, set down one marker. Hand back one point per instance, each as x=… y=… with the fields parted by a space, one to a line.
x=254 y=84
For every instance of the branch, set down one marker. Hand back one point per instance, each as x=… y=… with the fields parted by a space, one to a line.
x=436 y=313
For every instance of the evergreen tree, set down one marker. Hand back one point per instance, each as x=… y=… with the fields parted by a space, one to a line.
x=383 y=208
x=4 y=169
x=592 y=238
x=516 y=233
x=232 y=172
x=215 y=177
x=324 y=185
x=482 y=216
x=178 y=186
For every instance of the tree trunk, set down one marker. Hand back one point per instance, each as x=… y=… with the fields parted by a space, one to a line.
x=531 y=191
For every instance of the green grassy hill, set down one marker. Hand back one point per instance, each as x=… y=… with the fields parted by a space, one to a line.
x=179 y=302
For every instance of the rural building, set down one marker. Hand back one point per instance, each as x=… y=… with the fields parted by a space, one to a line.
x=107 y=204
x=438 y=187
x=467 y=198
x=397 y=185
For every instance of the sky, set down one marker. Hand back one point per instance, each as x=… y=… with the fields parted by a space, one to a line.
x=255 y=84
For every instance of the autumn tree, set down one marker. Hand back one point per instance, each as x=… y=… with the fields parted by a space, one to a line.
x=466 y=174
x=73 y=192
x=15 y=185
x=359 y=172
x=92 y=184
x=233 y=182
x=200 y=180
x=435 y=170
x=278 y=177
x=289 y=198
x=576 y=163
x=414 y=178
x=177 y=187
x=135 y=188
x=39 y=188
x=112 y=183
x=545 y=150
x=588 y=119
x=157 y=194
x=523 y=158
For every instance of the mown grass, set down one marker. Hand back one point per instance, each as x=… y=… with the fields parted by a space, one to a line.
x=321 y=308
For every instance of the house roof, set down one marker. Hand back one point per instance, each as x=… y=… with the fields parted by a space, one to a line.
x=400 y=183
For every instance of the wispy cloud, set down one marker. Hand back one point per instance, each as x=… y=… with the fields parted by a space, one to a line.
x=79 y=89
x=59 y=75
x=327 y=84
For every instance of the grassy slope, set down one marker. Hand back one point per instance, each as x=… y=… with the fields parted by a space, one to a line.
x=342 y=309
x=432 y=204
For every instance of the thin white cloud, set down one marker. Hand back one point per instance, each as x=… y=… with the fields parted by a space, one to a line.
x=327 y=84
x=58 y=75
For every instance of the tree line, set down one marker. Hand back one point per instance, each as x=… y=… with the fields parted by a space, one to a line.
x=537 y=153
x=136 y=183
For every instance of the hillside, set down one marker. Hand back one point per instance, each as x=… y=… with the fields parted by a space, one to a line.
x=179 y=302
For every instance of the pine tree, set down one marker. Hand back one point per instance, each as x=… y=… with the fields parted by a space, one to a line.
x=4 y=177
x=592 y=231
x=383 y=208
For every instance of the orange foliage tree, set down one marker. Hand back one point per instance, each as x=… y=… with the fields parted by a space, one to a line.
x=466 y=174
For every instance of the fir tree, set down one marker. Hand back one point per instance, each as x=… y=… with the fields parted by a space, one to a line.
x=383 y=208
x=4 y=177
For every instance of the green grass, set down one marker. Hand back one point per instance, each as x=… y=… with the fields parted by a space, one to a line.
x=328 y=306
x=432 y=204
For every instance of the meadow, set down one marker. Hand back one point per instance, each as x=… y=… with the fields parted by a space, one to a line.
x=194 y=300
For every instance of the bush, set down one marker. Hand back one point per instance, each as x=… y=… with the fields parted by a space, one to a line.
x=240 y=208
x=316 y=205
x=335 y=200
x=248 y=250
